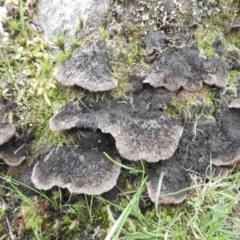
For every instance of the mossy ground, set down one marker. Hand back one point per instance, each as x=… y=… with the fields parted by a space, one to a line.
x=27 y=64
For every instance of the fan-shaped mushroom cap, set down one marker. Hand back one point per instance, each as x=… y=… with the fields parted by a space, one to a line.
x=177 y=68
x=215 y=172
x=183 y=67
x=11 y=159
x=205 y=149
x=69 y=115
x=87 y=68
x=154 y=43
x=150 y=138
x=81 y=171
x=147 y=97
x=13 y=152
x=138 y=136
x=230 y=123
x=234 y=25
x=216 y=72
x=229 y=140
x=174 y=180
x=228 y=158
x=7 y=130
x=235 y=103
x=207 y=140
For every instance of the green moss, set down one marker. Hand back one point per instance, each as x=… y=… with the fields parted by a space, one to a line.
x=59 y=41
x=215 y=25
x=40 y=112
x=14 y=27
x=122 y=73
x=32 y=68
x=62 y=56
x=209 y=52
x=233 y=77
x=204 y=103
x=102 y=32
x=233 y=38
x=193 y=104
x=181 y=104
x=127 y=54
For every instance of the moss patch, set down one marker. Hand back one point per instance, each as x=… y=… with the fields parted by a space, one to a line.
x=193 y=104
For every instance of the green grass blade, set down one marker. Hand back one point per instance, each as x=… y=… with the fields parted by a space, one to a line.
x=117 y=227
x=132 y=170
x=10 y=76
x=21 y=13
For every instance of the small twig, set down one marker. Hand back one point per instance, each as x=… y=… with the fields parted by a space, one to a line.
x=189 y=170
x=195 y=129
x=11 y=235
x=185 y=157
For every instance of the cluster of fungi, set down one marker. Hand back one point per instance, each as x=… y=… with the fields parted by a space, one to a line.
x=140 y=129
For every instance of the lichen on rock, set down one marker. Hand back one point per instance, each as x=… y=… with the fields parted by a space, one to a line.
x=68 y=18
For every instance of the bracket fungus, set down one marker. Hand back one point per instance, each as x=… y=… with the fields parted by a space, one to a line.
x=66 y=117
x=176 y=68
x=87 y=68
x=155 y=42
x=10 y=156
x=174 y=179
x=235 y=103
x=229 y=138
x=147 y=136
x=183 y=67
x=202 y=150
x=212 y=143
x=180 y=65
x=216 y=73
x=81 y=171
x=233 y=26
x=13 y=152
x=7 y=130
x=147 y=97
x=151 y=137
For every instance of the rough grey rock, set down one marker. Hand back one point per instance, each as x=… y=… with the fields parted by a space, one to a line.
x=68 y=17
